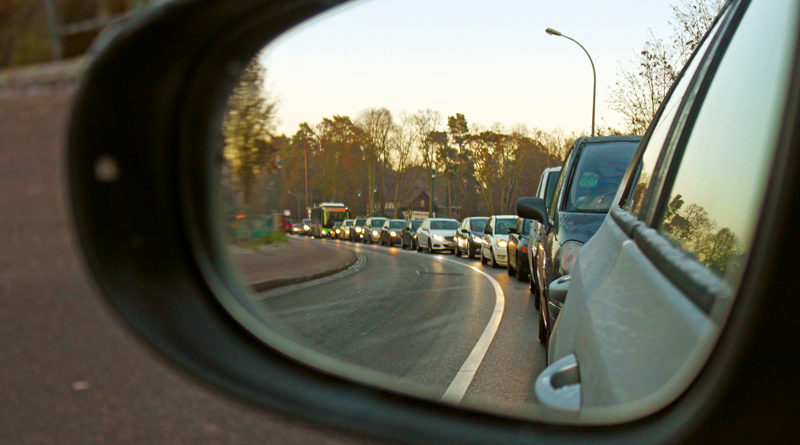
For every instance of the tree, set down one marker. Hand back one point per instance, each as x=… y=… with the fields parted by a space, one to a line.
x=247 y=129
x=638 y=92
x=402 y=142
x=690 y=21
x=376 y=124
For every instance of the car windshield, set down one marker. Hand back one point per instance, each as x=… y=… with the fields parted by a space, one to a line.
x=444 y=225
x=377 y=222
x=307 y=221
x=396 y=224
x=415 y=224
x=597 y=175
x=477 y=224
x=501 y=226
x=361 y=221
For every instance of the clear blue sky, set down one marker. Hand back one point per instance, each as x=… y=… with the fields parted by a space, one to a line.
x=490 y=60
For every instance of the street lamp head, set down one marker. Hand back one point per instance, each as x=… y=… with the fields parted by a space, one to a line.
x=552 y=32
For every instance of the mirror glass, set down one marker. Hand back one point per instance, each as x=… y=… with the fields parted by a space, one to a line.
x=345 y=133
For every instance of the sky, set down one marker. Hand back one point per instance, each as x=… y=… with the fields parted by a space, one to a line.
x=491 y=61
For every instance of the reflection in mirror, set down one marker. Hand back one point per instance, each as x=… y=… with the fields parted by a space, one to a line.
x=355 y=144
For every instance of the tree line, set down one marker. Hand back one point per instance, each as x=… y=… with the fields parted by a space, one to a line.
x=376 y=161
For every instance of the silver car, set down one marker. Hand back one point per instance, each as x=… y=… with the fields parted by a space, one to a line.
x=437 y=234
x=495 y=240
x=679 y=253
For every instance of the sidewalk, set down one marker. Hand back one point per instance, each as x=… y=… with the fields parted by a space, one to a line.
x=281 y=264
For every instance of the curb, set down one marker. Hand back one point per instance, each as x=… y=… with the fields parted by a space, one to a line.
x=261 y=286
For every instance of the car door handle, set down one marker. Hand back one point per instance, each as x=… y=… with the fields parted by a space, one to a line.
x=559 y=385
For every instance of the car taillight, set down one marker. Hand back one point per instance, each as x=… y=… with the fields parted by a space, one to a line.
x=524 y=249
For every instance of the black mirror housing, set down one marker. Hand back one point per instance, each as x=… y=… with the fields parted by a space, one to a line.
x=532 y=207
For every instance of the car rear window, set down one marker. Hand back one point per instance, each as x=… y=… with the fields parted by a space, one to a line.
x=501 y=226
x=598 y=175
x=444 y=225
x=477 y=225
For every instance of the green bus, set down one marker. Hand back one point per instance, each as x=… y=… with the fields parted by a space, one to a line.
x=325 y=215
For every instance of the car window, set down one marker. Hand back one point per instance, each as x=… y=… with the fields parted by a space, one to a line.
x=477 y=224
x=552 y=210
x=552 y=179
x=713 y=204
x=502 y=225
x=396 y=224
x=444 y=225
x=415 y=224
x=640 y=183
x=526 y=227
x=597 y=176
x=361 y=221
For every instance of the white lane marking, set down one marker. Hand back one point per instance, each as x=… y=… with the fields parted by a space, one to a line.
x=458 y=387
x=283 y=290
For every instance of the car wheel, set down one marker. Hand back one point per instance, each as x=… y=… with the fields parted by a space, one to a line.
x=483 y=258
x=510 y=270
x=470 y=255
x=419 y=248
x=456 y=252
x=494 y=261
x=430 y=247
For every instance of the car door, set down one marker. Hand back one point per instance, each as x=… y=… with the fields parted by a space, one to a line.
x=423 y=233
x=668 y=262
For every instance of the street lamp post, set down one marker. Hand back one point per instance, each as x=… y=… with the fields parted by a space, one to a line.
x=374 y=196
x=359 y=199
x=553 y=32
x=433 y=183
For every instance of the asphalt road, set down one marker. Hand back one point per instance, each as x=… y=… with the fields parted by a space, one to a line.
x=420 y=317
x=70 y=372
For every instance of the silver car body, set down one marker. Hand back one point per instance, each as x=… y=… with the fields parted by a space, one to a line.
x=437 y=239
x=494 y=243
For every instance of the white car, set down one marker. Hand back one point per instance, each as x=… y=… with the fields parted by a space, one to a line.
x=495 y=240
x=437 y=234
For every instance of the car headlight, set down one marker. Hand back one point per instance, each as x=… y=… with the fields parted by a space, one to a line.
x=569 y=255
x=358 y=229
x=392 y=233
x=476 y=238
x=415 y=236
x=305 y=227
x=501 y=243
x=438 y=237
x=374 y=233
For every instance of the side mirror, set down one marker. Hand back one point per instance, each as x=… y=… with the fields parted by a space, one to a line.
x=534 y=208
